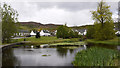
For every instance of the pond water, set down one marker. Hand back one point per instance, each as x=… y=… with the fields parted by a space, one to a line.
x=56 y=56
x=22 y=56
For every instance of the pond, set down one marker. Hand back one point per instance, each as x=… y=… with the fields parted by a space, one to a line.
x=53 y=56
x=25 y=56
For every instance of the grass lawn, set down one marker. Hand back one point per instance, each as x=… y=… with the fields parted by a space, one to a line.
x=46 y=40
x=69 y=43
x=115 y=41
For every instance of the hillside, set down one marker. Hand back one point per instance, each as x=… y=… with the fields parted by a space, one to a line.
x=37 y=25
x=51 y=27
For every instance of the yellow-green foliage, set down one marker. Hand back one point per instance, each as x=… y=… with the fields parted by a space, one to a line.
x=103 y=22
x=105 y=32
x=9 y=18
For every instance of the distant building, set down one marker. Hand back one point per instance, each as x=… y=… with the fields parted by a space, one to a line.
x=117 y=29
x=80 y=31
x=32 y=33
x=45 y=33
x=117 y=33
x=22 y=33
x=55 y=32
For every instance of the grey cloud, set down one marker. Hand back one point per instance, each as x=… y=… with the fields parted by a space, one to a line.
x=32 y=11
x=72 y=6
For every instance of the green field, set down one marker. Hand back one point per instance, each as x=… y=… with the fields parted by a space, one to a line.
x=60 y=41
x=115 y=41
x=46 y=40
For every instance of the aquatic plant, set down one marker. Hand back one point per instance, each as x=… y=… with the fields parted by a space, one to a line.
x=46 y=55
x=96 y=56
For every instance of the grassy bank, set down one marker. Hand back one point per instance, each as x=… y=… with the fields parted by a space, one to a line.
x=47 y=40
x=96 y=57
x=114 y=41
x=69 y=43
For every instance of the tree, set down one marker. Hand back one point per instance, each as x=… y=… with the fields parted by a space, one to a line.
x=119 y=15
x=0 y=28
x=103 y=22
x=62 y=31
x=9 y=18
x=66 y=32
x=37 y=35
x=90 y=32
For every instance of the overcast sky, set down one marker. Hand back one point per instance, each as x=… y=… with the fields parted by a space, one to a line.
x=72 y=13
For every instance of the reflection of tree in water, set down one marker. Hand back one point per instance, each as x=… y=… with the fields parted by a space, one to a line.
x=71 y=51
x=62 y=51
x=102 y=45
x=8 y=58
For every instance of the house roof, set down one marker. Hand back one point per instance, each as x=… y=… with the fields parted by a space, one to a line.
x=79 y=30
x=45 y=31
x=23 y=31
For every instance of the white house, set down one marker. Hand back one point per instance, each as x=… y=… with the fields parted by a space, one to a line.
x=22 y=33
x=32 y=33
x=85 y=32
x=82 y=31
x=118 y=32
x=55 y=32
x=44 y=33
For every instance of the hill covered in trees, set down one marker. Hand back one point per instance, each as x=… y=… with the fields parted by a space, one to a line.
x=51 y=27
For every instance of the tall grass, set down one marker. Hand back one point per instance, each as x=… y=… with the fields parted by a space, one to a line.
x=96 y=57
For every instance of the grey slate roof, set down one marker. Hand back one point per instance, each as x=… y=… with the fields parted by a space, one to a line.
x=24 y=31
x=79 y=30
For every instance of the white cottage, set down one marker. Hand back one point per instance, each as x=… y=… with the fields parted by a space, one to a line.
x=22 y=33
x=82 y=31
x=44 y=33
x=55 y=32
x=118 y=32
x=32 y=33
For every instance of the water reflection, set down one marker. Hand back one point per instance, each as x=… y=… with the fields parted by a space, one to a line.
x=71 y=51
x=8 y=58
x=24 y=57
x=102 y=45
x=62 y=51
